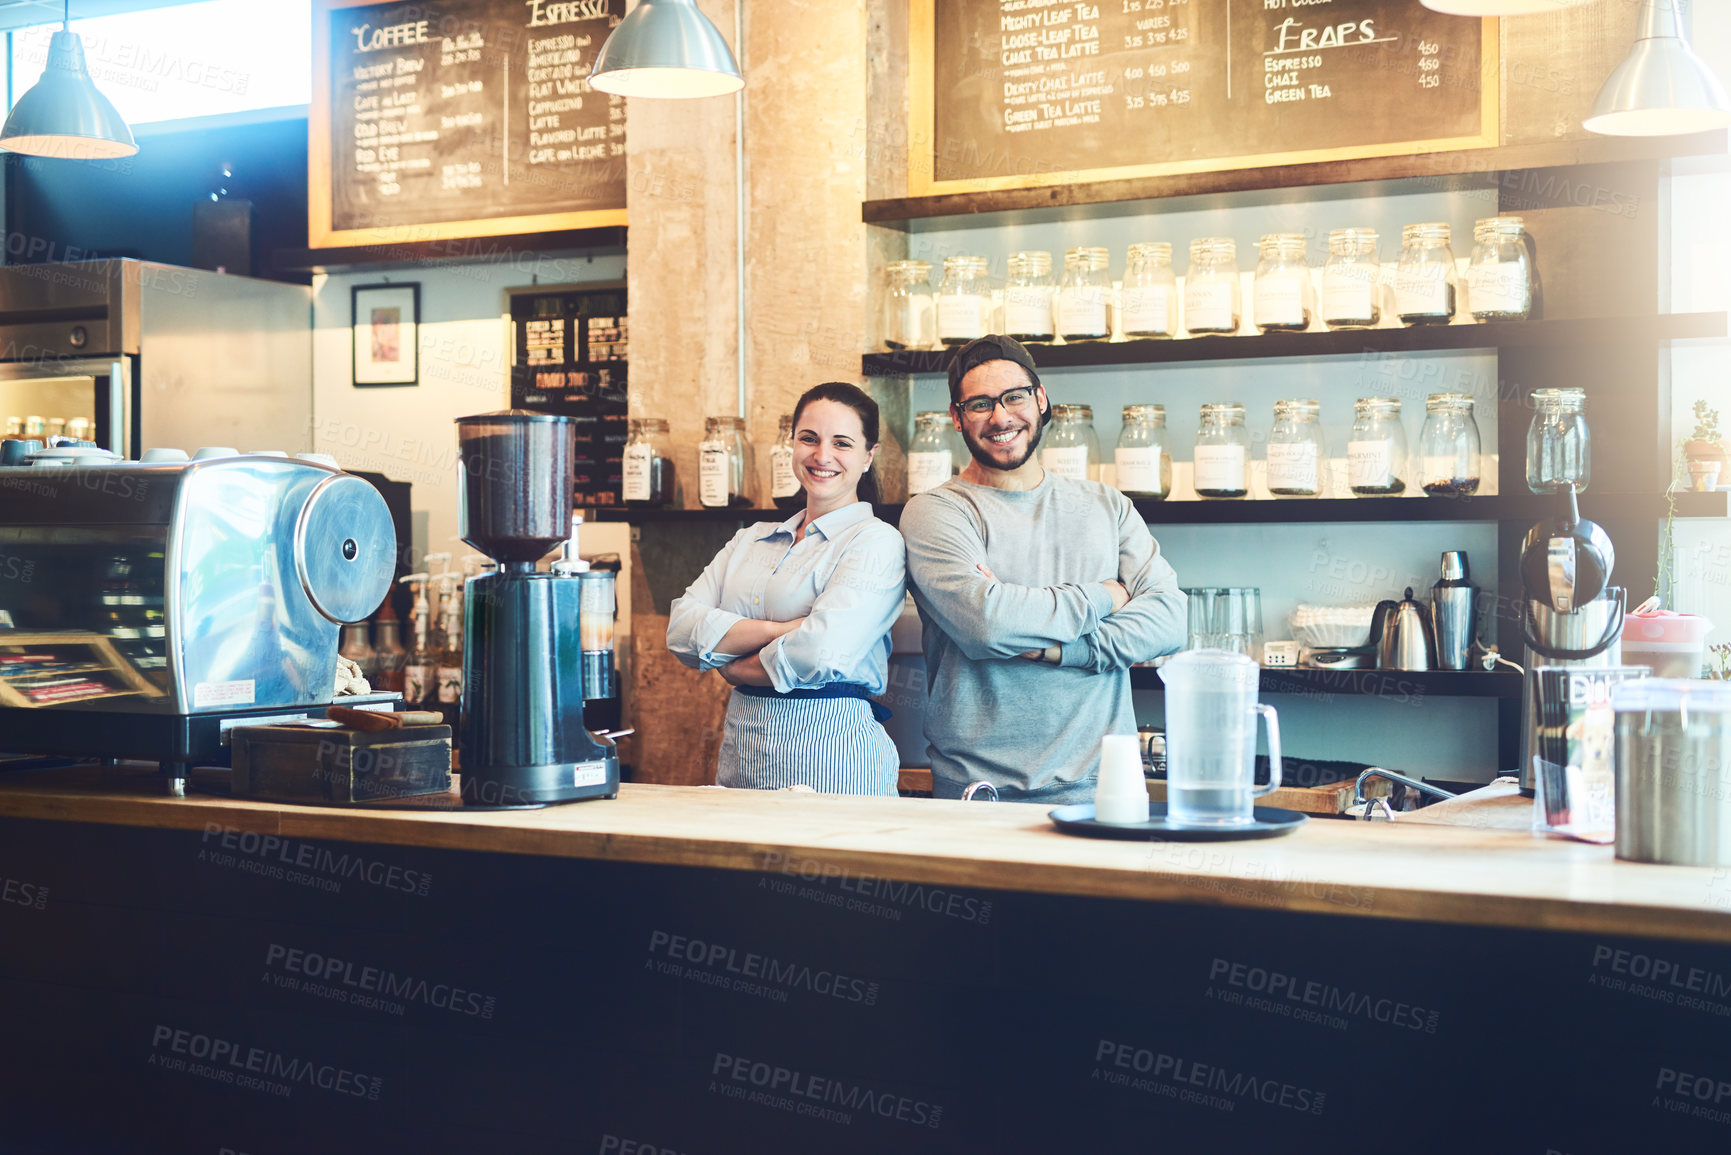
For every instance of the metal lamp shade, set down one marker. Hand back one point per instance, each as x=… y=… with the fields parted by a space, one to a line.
x=1500 y=7
x=63 y=115
x=1663 y=88
x=666 y=48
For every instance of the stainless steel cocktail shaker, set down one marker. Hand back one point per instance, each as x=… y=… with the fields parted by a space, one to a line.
x=1453 y=606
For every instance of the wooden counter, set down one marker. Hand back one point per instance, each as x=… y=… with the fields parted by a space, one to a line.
x=1462 y=874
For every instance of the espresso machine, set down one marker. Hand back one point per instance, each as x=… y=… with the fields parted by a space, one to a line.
x=521 y=733
x=1572 y=623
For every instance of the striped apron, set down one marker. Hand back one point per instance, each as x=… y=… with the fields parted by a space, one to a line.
x=832 y=743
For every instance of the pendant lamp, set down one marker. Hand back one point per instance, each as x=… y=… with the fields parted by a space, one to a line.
x=1663 y=88
x=63 y=115
x=666 y=48
x=1500 y=7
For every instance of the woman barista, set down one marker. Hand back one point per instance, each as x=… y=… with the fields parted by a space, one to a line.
x=796 y=616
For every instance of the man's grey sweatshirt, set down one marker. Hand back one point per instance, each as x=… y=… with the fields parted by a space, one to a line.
x=1020 y=724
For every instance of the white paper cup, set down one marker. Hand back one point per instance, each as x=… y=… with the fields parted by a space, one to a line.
x=1120 y=793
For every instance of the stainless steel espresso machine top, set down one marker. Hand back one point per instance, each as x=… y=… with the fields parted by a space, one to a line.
x=145 y=608
x=522 y=735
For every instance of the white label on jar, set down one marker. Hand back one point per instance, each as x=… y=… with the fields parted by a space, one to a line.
x=712 y=471
x=450 y=684
x=1082 y=313
x=1147 y=309
x=1293 y=465
x=782 y=482
x=1349 y=294
x=914 y=321
x=1370 y=464
x=418 y=682
x=1208 y=306
x=1220 y=468
x=1028 y=312
x=1279 y=299
x=1422 y=292
x=635 y=468
x=961 y=317
x=1497 y=288
x=1069 y=461
x=927 y=471
x=1138 y=469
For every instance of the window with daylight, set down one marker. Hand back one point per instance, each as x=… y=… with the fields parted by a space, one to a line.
x=203 y=59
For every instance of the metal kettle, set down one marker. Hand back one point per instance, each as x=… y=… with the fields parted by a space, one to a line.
x=1401 y=633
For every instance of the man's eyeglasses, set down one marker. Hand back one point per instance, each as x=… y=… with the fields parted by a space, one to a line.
x=1018 y=398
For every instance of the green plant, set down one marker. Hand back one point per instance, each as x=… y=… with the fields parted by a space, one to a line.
x=1706 y=423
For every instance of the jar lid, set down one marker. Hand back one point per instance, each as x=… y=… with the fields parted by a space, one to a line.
x=919 y=268
x=1073 y=412
x=1283 y=242
x=1428 y=231
x=1351 y=236
x=1087 y=256
x=654 y=424
x=1449 y=401
x=785 y=421
x=965 y=263
x=1566 y=397
x=1499 y=226
x=724 y=422
x=1217 y=246
x=1222 y=408
x=933 y=415
x=1031 y=260
x=1144 y=411
x=1297 y=407
x=1151 y=250
x=1366 y=404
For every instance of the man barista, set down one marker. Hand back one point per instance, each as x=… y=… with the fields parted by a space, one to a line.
x=1037 y=593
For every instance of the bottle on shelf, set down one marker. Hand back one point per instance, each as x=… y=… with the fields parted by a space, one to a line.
x=930 y=463
x=1352 y=280
x=1084 y=294
x=388 y=653
x=357 y=649
x=1283 y=297
x=420 y=664
x=1029 y=297
x=447 y=644
x=1376 y=448
x=1221 y=459
x=1211 y=289
x=1142 y=462
x=1297 y=453
x=1072 y=449
x=724 y=464
x=647 y=465
x=784 y=487
x=1424 y=282
x=1148 y=302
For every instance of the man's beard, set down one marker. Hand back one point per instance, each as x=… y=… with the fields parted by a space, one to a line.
x=1036 y=431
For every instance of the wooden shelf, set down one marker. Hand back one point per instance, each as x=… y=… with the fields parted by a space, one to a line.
x=1521 y=508
x=1404 y=685
x=1570 y=332
x=1467 y=168
x=444 y=251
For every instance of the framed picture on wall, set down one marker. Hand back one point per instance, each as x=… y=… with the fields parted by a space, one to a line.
x=386 y=319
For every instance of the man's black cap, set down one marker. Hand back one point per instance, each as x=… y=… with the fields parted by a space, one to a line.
x=992 y=347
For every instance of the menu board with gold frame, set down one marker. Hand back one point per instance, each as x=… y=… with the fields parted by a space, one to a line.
x=1008 y=94
x=440 y=119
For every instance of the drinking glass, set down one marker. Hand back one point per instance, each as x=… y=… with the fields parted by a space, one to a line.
x=1211 y=712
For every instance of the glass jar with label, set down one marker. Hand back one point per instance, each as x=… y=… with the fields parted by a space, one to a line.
x=964 y=300
x=1211 y=290
x=1376 y=448
x=1424 y=283
x=1071 y=448
x=1142 y=459
x=1352 y=280
x=647 y=464
x=929 y=461
x=1283 y=300
x=1083 y=295
x=1559 y=445
x=724 y=464
x=784 y=488
x=1148 y=302
x=1297 y=452
x=1028 y=297
x=1448 y=446
x=1500 y=277
x=1222 y=455
x=910 y=318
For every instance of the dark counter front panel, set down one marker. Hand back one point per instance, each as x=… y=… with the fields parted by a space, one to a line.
x=201 y=990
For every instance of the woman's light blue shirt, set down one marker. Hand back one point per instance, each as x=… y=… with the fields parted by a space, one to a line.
x=845 y=577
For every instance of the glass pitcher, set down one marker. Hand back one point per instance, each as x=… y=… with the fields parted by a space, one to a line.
x=1211 y=712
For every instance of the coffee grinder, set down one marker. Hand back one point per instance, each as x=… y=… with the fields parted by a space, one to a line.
x=521 y=734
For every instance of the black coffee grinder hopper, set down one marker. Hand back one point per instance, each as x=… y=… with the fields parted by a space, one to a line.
x=521 y=734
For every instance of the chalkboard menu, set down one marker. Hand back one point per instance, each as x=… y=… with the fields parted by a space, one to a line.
x=1016 y=93
x=434 y=119
x=571 y=358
